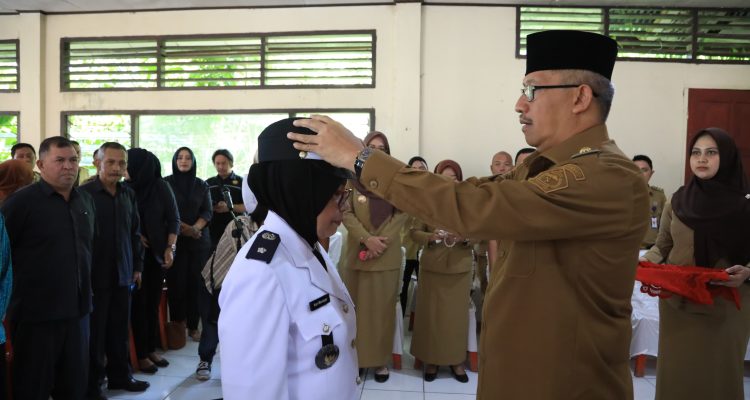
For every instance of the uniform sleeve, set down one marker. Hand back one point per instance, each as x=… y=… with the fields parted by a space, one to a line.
x=170 y=209
x=660 y=251
x=206 y=210
x=586 y=198
x=419 y=232
x=253 y=332
x=135 y=236
x=353 y=225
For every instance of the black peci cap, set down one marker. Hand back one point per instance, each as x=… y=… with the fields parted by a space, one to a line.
x=559 y=49
x=273 y=145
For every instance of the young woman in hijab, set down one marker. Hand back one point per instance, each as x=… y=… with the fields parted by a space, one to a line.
x=441 y=318
x=412 y=247
x=702 y=347
x=160 y=223
x=14 y=174
x=194 y=243
x=287 y=324
x=372 y=268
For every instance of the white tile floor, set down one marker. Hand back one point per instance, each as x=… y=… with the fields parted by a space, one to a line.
x=177 y=382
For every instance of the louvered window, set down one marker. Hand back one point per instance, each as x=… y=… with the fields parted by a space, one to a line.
x=9 y=66
x=653 y=34
x=723 y=35
x=336 y=59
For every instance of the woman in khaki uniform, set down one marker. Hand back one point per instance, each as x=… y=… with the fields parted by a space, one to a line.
x=442 y=315
x=412 y=248
x=702 y=347
x=371 y=273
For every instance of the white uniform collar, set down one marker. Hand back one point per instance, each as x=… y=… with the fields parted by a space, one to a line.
x=301 y=255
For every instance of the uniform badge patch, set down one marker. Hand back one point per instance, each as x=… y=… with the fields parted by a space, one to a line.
x=557 y=178
x=264 y=247
x=328 y=354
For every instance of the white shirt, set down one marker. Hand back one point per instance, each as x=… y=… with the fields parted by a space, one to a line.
x=270 y=336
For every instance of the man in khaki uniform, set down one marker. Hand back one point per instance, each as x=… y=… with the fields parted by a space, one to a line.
x=557 y=310
x=657 y=199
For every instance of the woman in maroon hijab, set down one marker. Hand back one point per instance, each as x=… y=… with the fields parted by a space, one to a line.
x=371 y=268
x=441 y=318
x=702 y=347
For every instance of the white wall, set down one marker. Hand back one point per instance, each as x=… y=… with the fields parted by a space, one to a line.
x=447 y=79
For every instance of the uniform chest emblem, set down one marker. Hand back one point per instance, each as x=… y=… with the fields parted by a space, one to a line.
x=557 y=178
x=327 y=356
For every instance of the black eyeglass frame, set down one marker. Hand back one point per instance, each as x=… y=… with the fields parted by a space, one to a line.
x=528 y=91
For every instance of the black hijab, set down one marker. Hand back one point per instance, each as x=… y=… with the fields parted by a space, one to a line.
x=183 y=181
x=144 y=169
x=717 y=209
x=295 y=188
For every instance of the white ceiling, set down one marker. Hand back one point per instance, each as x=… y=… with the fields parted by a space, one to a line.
x=75 y=6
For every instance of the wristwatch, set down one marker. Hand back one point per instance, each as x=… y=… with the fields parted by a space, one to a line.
x=174 y=247
x=359 y=162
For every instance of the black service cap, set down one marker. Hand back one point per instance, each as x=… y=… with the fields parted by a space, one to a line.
x=560 y=49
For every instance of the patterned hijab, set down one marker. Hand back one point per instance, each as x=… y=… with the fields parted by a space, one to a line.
x=717 y=209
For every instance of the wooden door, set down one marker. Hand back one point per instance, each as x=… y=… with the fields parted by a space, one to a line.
x=725 y=109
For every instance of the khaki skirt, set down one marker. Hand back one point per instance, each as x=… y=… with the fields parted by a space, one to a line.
x=441 y=318
x=375 y=294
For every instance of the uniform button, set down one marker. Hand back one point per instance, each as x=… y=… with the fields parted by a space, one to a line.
x=359 y=380
x=354 y=343
x=346 y=308
x=373 y=184
x=326 y=328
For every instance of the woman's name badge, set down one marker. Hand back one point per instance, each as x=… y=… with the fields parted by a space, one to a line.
x=654 y=222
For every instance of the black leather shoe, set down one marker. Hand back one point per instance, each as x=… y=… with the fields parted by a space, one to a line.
x=161 y=362
x=151 y=369
x=380 y=378
x=430 y=376
x=97 y=396
x=463 y=378
x=130 y=385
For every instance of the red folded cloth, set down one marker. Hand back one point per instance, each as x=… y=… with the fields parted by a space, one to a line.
x=687 y=281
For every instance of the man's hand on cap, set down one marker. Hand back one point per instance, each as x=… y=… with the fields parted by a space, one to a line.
x=333 y=142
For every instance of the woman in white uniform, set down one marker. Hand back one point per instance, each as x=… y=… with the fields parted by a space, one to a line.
x=287 y=323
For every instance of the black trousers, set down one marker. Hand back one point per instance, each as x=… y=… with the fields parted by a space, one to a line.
x=51 y=358
x=210 y=335
x=184 y=280
x=108 y=347
x=409 y=267
x=145 y=309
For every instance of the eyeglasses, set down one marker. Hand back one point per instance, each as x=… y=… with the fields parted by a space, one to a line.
x=528 y=91
x=342 y=198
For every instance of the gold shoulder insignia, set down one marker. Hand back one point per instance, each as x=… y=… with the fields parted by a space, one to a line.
x=583 y=151
x=557 y=178
x=656 y=188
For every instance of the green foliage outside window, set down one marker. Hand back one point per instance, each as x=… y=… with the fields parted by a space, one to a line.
x=8 y=134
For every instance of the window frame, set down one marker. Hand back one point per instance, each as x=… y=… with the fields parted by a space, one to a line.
x=64 y=41
x=18 y=67
x=694 y=33
x=135 y=114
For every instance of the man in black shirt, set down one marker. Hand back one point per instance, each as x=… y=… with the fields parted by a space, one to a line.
x=50 y=225
x=117 y=263
x=226 y=179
